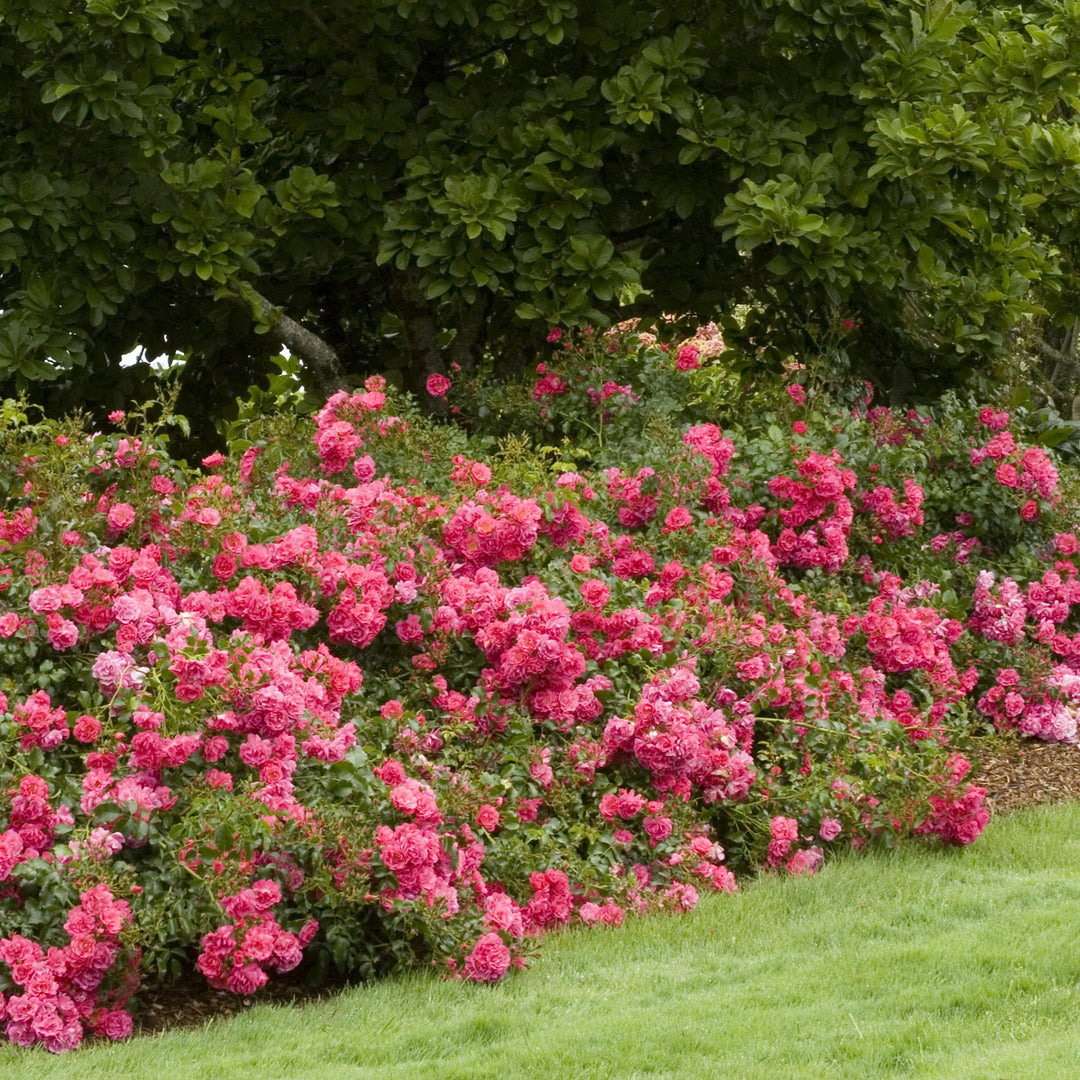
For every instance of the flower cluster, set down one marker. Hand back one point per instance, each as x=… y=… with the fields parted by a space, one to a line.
x=42 y=725
x=957 y=820
x=896 y=519
x=683 y=742
x=1048 y=711
x=236 y=955
x=902 y=638
x=819 y=508
x=61 y=997
x=1024 y=469
x=491 y=529
x=998 y=612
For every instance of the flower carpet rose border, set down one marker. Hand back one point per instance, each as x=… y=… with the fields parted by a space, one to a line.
x=315 y=709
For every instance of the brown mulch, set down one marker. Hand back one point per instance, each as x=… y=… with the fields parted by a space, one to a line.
x=1014 y=774
x=191 y=1003
x=1027 y=772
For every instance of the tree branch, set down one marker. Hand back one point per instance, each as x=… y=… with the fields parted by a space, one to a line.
x=457 y=65
x=319 y=24
x=1051 y=353
x=319 y=359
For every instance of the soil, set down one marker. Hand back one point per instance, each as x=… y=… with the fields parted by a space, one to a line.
x=1015 y=774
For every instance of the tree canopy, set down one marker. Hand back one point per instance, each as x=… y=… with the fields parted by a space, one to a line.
x=396 y=183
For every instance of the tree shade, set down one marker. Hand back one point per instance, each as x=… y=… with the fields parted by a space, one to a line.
x=395 y=183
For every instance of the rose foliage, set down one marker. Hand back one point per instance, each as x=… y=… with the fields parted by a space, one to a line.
x=370 y=690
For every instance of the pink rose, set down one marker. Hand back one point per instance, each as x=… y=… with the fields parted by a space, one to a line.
x=117 y=1024
x=590 y=913
x=611 y=914
x=968 y=831
x=805 y=862
x=46 y=600
x=657 y=829
x=701 y=845
x=629 y=804
x=259 y=943
x=87 y=729
x=830 y=829
x=595 y=593
x=121 y=516
x=778 y=850
x=247 y=979
x=784 y=828
x=223 y=566
x=686 y=359
x=437 y=385
x=489 y=960
x=678 y=518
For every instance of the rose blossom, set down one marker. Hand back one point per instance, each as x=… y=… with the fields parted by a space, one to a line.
x=686 y=359
x=657 y=829
x=489 y=960
x=121 y=515
x=117 y=1024
x=830 y=829
x=87 y=729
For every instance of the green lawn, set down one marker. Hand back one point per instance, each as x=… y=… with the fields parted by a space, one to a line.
x=951 y=965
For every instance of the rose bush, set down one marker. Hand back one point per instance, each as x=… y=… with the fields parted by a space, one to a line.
x=372 y=690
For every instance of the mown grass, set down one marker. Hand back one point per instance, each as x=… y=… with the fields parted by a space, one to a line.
x=944 y=964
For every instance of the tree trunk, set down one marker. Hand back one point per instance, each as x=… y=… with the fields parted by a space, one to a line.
x=520 y=347
x=1059 y=345
x=420 y=328
x=467 y=349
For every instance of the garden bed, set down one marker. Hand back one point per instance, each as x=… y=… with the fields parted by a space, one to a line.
x=382 y=692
